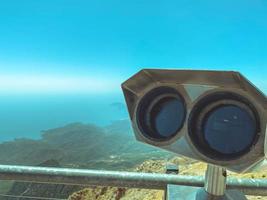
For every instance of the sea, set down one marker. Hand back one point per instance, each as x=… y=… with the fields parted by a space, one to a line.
x=27 y=116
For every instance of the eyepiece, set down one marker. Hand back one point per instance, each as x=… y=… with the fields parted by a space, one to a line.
x=223 y=126
x=161 y=113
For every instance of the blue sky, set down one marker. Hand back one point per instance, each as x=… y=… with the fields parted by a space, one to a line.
x=57 y=44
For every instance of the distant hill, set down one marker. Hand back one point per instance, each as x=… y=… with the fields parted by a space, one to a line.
x=82 y=145
x=76 y=145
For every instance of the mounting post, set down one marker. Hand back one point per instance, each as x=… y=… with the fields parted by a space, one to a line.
x=215 y=180
x=214 y=188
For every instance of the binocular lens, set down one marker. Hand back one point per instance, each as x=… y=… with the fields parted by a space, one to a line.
x=167 y=116
x=223 y=126
x=161 y=113
x=229 y=129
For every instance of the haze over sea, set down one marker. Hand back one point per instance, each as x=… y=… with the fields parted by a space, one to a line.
x=25 y=116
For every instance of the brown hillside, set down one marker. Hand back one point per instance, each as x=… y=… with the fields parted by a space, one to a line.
x=186 y=166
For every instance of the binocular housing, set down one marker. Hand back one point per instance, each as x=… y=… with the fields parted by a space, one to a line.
x=218 y=117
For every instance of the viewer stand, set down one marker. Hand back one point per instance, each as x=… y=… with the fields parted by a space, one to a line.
x=214 y=188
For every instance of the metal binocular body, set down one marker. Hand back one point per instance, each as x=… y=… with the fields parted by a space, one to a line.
x=218 y=117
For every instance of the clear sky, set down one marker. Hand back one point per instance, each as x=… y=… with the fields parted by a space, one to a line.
x=94 y=45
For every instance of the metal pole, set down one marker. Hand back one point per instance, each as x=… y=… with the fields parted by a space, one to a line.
x=120 y=179
x=215 y=180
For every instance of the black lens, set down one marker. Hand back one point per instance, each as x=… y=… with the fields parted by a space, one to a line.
x=229 y=129
x=223 y=126
x=167 y=116
x=161 y=113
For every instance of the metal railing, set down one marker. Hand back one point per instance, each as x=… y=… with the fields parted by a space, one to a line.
x=120 y=179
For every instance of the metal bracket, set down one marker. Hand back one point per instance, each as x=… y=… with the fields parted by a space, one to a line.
x=214 y=188
x=176 y=192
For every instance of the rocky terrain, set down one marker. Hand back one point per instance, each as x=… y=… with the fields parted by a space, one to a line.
x=186 y=167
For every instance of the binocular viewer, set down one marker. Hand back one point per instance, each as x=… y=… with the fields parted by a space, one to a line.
x=218 y=117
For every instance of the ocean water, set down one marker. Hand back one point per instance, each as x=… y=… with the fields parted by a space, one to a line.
x=26 y=116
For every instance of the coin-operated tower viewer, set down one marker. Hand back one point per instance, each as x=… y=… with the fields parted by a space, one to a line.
x=217 y=117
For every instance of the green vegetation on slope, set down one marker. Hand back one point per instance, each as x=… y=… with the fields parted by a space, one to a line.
x=82 y=145
x=76 y=145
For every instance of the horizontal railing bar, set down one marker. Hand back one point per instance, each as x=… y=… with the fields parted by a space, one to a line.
x=120 y=179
